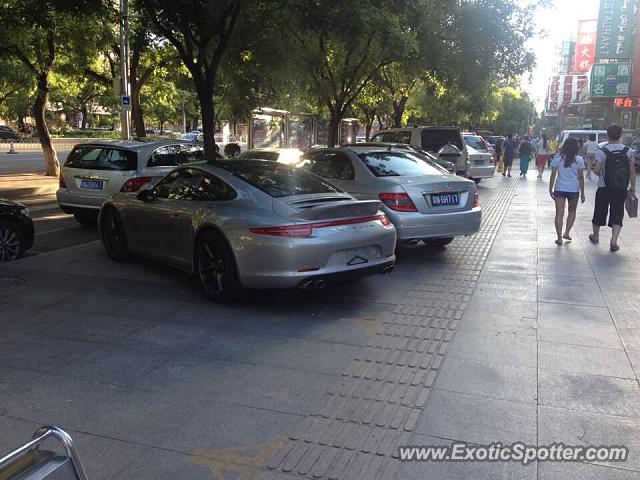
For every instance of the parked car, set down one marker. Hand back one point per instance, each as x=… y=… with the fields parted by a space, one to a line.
x=7 y=133
x=405 y=147
x=16 y=230
x=250 y=224
x=431 y=139
x=421 y=200
x=481 y=157
x=282 y=155
x=93 y=171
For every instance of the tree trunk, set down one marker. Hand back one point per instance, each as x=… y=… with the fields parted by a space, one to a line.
x=367 y=130
x=161 y=127
x=334 y=124
x=398 y=111
x=85 y=113
x=42 y=97
x=205 y=95
x=136 y=110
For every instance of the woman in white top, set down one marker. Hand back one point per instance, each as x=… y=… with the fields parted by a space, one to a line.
x=567 y=183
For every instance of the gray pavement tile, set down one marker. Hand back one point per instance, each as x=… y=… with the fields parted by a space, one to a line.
x=512 y=266
x=583 y=359
x=116 y=365
x=309 y=355
x=575 y=324
x=630 y=338
x=40 y=297
x=223 y=426
x=87 y=327
x=157 y=464
x=480 y=420
x=570 y=427
x=116 y=305
x=270 y=388
x=580 y=291
x=514 y=292
x=624 y=298
x=168 y=337
x=495 y=348
x=41 y=354
x=583 y=471
x=634 y=358
x=526 y=280
x=483 y=323
x=591 y=393
x=495 y=380
x=482 y=304
x=625 y=318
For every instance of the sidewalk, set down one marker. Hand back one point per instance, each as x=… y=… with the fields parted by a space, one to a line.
x=548 y=349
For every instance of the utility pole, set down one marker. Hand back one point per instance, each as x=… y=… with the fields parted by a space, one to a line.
x=125 y=108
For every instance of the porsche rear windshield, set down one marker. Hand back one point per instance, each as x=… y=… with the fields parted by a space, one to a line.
x=279 y=180
x=397 y=164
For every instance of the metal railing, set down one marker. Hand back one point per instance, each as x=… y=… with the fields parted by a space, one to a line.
x=40 y=435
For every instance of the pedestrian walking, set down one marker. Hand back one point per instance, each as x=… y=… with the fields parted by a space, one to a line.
x=617 y=176
x=526 y=152
x=542 y=154
x=566 y=185
x=509 y=149
x=553 y=150
x=591 y=148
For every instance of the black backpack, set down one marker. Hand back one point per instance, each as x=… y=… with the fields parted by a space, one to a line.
x=616 y=168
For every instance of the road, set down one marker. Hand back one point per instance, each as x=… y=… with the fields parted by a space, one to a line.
x=500 y=337
x=26 y=162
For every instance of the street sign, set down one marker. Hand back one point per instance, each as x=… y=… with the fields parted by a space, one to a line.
x=610 y=80
x=125 y=102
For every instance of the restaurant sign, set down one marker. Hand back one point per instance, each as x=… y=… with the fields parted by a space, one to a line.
x=615 y=29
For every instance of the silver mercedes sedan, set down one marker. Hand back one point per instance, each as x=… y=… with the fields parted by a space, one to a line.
x=250 y=224
x=423 y=201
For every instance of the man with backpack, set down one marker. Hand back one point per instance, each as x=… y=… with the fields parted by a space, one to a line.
x=615 y=167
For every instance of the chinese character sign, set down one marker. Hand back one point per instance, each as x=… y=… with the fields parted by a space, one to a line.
x=610 y=80
x=615 y=29
x=585 y=45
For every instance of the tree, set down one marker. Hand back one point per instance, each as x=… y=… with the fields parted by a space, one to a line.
x=162 y=101
x=340 y=46
x=17 y=90
x=201 y=31
x=36 y=33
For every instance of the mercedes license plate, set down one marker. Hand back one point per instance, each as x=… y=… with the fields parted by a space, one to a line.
x=91 y=184
x=445 y=199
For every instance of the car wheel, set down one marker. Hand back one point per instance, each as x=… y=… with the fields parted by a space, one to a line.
x=113 y=235
x=216 y=268
x=86 y=218
x=11 y=242
x=438 y=242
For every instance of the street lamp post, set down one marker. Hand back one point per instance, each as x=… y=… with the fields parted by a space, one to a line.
x=125 y=118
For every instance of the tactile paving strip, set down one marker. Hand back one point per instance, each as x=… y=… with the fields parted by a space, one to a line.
x=375 y=406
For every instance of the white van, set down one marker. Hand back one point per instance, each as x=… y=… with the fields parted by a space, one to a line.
x=601 y=135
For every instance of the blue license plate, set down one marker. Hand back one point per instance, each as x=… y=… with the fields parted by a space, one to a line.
x=91 y=184
x=445 y=199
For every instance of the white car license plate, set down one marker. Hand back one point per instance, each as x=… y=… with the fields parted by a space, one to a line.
x=445 y=199
x=91 y=184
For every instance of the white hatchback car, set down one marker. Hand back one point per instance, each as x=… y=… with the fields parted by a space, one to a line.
x=93 y=171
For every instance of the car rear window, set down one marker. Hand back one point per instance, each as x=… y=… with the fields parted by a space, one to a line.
x=101 y=158
x=434 y=139
x=175 y=155
x=475 y=142
x=279 y=180
x=397 y=164
x=260 y=155
x=393 y=137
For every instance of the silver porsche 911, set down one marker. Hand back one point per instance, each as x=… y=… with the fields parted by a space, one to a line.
x=250 y=224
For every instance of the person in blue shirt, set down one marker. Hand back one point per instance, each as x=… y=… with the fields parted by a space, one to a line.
x=509 y=152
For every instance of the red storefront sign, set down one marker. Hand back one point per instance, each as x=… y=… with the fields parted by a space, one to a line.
x=622 y=102
x=585 y=45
